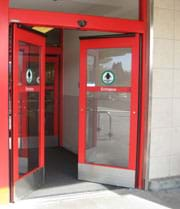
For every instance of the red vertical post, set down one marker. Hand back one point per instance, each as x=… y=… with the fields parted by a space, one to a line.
x=143 y=15
x=4 y=149
x=61 y=74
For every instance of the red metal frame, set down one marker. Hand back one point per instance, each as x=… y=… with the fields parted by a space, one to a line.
x=22 y=35
x=4 y=145
x=69 y=21
x=63 y=20
x=126 y=42
x=144 y=97
x=51 y=50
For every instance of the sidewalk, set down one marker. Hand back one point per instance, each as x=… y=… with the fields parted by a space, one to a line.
x=114 y=199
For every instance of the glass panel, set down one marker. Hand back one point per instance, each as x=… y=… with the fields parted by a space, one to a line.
x=49 y=117
x=50 y=68
x=108 y=124
x=29 y=57
x=28 y=107
x=109 y=67
x=115 y=8
x=28 y=141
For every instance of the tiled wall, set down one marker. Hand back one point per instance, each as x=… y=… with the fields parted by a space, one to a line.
x=165 y=124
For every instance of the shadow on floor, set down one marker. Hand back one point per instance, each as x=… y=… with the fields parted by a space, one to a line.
x=61 y=176
x=166 y=199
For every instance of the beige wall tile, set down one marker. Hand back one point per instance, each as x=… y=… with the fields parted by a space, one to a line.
x=177 y=54
x=163 y=23
x=175 y=165
x=175 y=142
x=165 y=123
x=176 y=112
x=163 y=53
x=161 y=113
x=160 y=142
x=176 y=84
x=162 y=83
x=159 y=167
x=177 y=5
x=177 y=25
x=168 y=4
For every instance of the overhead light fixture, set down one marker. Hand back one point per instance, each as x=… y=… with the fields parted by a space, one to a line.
x=42 y=29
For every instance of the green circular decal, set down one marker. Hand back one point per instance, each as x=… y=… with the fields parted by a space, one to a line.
x=108 y=77
x=29 y=76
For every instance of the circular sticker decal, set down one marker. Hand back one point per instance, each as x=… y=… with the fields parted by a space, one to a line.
x=38 y=80
x=108 y=77
x=29 y=76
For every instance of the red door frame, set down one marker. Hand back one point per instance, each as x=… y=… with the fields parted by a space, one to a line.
x=4 y=86
x=119 y=42
x=22 y=35
x=70 y=21
x=58 y=88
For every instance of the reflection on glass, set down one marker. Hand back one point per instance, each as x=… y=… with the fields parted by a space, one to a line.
x=107 y=134
x=28 y=107
x=117 y=60
x=29 y=57
x=50 y=73
x=49 y=114
x=28 y=141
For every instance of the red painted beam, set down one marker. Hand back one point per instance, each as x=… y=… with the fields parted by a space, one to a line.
x=57 y=19
x=4 y=149
x=53 y=51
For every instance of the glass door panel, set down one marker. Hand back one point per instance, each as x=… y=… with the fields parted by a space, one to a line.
x=28 y=140
x=49 y=106
x=117 y=60
x=51 y=100
x=108 y=124
x=108 y=108
x=28 y=111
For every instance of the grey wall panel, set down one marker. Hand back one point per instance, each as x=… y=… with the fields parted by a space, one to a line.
x=70 y=126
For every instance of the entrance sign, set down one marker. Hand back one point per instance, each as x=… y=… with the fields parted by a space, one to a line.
x=108 y=89
x=108 y=77
x=29 y=76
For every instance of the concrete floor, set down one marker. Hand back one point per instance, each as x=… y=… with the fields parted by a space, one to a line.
x=108 y=199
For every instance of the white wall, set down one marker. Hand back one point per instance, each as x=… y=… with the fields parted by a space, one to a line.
x=165 y=125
